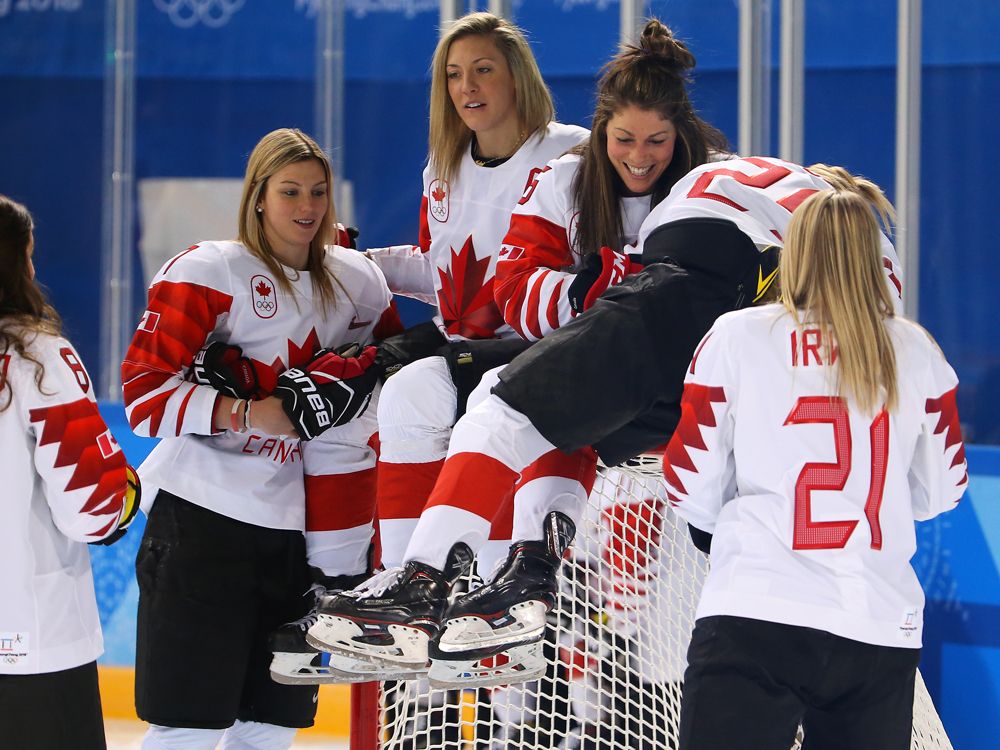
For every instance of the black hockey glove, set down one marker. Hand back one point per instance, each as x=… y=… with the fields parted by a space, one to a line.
x=399 y=350
x=347 y=236
x=601 y=270
x=223 y=367
x=133 y=496
x=334 y=388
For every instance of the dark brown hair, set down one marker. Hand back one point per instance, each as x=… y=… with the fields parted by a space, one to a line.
x=650 y=75
x=24 y=310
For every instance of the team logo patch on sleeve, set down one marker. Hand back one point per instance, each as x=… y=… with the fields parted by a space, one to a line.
x=149 y=321
x=265 y=301
x=440 y=200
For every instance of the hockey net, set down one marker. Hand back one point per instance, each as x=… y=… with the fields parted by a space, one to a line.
x=616 y=645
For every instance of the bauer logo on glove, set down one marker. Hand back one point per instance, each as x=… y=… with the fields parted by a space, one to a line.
x=223 y=367
x=334 y=388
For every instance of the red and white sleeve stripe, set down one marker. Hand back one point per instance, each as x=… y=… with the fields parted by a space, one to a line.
x=159 y=402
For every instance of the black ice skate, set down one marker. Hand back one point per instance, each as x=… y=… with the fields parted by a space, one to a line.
x=493 y=635
x=389 y=619
x=295 y=662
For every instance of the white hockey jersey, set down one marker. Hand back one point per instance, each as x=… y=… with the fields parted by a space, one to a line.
x=64 y=484
x=218 y=291
x=462 y=225
x=540 y=251
x=758 y=194
x=812 y=503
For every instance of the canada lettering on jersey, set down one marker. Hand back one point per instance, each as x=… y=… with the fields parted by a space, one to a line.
x=280 y=450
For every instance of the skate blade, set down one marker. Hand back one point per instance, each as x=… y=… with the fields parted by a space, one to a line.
x=297 y=669
x=337 y=635
x=473 y=636
x=512 y=667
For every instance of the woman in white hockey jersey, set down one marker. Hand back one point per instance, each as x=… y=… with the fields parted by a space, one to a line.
x=807 y=455
x=223 y=560
x=573 y=232
x=492 y=131
x=66 y=485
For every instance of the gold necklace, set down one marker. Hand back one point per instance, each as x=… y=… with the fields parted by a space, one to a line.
x=494 y=161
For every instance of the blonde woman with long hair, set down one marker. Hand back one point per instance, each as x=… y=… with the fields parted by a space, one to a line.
x=814 y=433
x=492 y=130
x=263 y=453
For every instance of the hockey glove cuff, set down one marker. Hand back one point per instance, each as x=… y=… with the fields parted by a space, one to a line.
x=334 y=388
x=223 y=367
x=601 y=270
x=130 y=507
x=346 y=236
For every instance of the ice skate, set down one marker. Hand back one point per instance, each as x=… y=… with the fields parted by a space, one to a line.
x=515 y=665
x=505 y=619
x=295 y=662
x=388 y=620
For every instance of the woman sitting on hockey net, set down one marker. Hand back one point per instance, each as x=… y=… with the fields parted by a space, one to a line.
x=801 y=619
x=708 y=248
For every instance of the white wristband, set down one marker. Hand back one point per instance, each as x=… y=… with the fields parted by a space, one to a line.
x=234 y=421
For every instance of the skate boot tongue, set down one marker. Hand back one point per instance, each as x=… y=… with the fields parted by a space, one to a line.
x=458 y=562
x=559 y=532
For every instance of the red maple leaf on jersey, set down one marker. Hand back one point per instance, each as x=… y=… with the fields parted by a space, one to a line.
x=299 y=355
x=438 y=194
x=466 y=295
x=263 y=289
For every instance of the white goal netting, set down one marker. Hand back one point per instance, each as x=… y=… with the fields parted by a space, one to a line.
x=616 y=645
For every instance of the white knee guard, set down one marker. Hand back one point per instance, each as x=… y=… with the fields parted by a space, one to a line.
x=416 y=411
x=251 y=735
x=481 y=391
x=180 y=738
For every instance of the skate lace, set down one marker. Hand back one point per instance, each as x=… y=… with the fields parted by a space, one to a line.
x=377 y=585
x=309 y=619
x=479 y=581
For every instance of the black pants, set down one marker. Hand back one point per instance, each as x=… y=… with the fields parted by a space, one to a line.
x=211 y=589
x=749 y=683
x=52 y=711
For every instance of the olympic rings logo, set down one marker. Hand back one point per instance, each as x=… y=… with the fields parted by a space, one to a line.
x=265 y=305
x=185 y=14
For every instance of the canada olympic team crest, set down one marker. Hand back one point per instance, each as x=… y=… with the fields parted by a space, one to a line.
x=265 y=301
x=439 y=195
